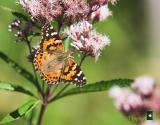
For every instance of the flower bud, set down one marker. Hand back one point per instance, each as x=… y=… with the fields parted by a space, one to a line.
x=15 y=24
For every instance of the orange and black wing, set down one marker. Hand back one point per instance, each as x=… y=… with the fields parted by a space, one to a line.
x=50 y=39
x=49 y=67
x=72 y=73
x=50 y=60
x=46 y=58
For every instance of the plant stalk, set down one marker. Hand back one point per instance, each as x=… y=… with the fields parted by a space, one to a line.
x=82 y=60
x=44 y=105
x=41 y=114
x=59 y=93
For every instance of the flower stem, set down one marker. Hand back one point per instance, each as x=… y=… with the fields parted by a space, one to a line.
x=51 y=100
x=60 y=24
x=82 y=60
x=54 y=89
x=41 y=114
x=44 y=105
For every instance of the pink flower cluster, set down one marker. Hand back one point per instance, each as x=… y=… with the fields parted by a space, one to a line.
x=127 y=101
x=143 y=96
x=49 y=9
x=42 y=9
x=73 y=10
x=153 y=122
x=67 y=11
x=144 y=85
x=86 y=39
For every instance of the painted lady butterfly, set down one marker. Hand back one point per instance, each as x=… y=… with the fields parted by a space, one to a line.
x=54 y=64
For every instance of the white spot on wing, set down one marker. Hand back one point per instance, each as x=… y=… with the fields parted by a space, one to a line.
x=75 y=79
x=47 y=34
x=54 y=33
x=84 y=78
x=79 y=73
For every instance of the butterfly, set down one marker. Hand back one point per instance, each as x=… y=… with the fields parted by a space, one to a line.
x=53 y=63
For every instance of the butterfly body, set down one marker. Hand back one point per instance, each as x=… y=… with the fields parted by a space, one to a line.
x=54 y=64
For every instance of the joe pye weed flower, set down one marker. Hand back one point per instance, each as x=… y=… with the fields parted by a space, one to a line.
x=87 y=40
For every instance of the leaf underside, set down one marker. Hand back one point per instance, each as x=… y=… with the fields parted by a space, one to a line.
x=20 y=112
x=15 y=88
x=96 y=87
x=23 y=72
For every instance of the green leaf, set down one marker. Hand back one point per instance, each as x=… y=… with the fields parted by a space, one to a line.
x=14 y=13
x=24 y=17
x=20 y=15
x=20 y=112
x=15 y=88
x=96 y=87
x=30 y=117
x=23 y=72
x=54 y=23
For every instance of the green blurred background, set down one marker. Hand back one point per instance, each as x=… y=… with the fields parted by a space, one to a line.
x=133 y=52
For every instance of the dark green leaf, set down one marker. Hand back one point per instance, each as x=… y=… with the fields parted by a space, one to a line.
x=25 y=18
x=96 y=87
x=23 y=72
x=20 y=112
x=54 y=23
x=16 y=14
x=20 y=15
x=15 y=88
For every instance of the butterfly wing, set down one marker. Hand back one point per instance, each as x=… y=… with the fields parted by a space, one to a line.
x=50 y=39
x=49 y=66
x=73 y=73
x=51 y=62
